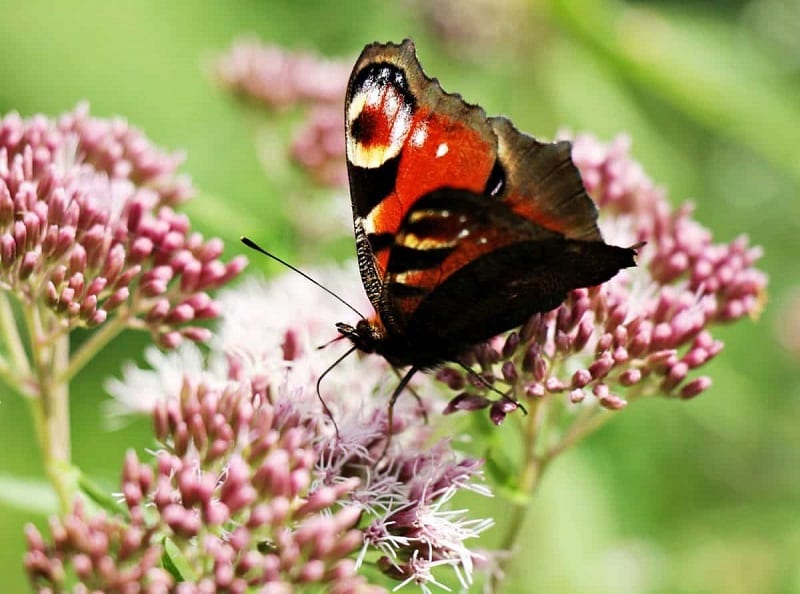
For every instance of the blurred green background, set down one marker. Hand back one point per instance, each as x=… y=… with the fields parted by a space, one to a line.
x=671 y=497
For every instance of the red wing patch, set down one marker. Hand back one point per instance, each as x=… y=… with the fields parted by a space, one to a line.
x=438 y=154
x=405 y=138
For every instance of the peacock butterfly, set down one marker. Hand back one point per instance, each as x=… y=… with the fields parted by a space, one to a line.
x=464 y=226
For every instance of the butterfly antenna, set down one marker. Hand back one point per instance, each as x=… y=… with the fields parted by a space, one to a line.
x=254 y=246
x=327 y=410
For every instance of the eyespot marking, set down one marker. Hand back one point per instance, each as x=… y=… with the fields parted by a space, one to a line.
x=379 y=116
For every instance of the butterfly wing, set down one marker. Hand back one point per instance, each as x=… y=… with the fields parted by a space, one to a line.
x=542 y=183
x=464 y=268
x=405 y=137
x=464 y=226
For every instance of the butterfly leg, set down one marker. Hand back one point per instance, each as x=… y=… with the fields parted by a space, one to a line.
x=390 y=412
x=422 y=408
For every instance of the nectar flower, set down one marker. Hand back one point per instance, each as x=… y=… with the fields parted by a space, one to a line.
x=319 y=146
x=88 y=229
x=252 y=469
x=104 y=553
x=279 y=79
x=473 y=26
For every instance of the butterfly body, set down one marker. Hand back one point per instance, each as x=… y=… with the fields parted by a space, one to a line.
x=464 y=226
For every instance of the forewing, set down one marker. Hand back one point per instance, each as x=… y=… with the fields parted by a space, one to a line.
x=464 y=226
x=542 y=184
x=405 y=138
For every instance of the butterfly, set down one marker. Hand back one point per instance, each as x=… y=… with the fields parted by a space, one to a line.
x=464 y=226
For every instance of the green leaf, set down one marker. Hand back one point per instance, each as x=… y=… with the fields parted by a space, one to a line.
x=27 y=494
x=101 y=496
x=176 y=564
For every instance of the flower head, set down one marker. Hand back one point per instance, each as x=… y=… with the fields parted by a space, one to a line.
x=252 y=469
x=104 y=553
x=280 y=79
x=319 y=146
x=88 y=228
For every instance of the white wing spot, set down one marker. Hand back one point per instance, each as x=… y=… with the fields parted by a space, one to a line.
x=366 y=223
x=419 y=135
x=441 y=150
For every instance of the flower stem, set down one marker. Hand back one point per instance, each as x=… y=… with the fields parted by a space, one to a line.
x=534 y=465
x=582 y=427
x=530 y=476
x=11 y=337
x=99 y=339
x=51 y=408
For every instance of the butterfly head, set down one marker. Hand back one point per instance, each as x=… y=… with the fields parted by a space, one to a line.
x=366 y=335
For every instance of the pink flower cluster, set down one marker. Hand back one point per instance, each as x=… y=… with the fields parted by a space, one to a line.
x=230 y=491
x=318 y=146
x=647 y=330
x=87 y=227
x=103 y=553
x=474 y=27
x=252 y=488
x=279 y=79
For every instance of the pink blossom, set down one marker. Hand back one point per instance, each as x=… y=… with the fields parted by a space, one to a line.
x=252 y=468
x=88 y=228
x=279 y=79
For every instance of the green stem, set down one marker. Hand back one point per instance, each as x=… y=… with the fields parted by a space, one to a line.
x=536 y=461
x=13 y=380
x=99 y=339
x=582 y=427
x=530 y=476
x=51 y=408
x=11 y=337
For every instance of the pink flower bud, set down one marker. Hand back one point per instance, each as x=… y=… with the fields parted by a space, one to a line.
x=466 y=402
x=695 y=387
x=577 y=395
x=534 y=390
